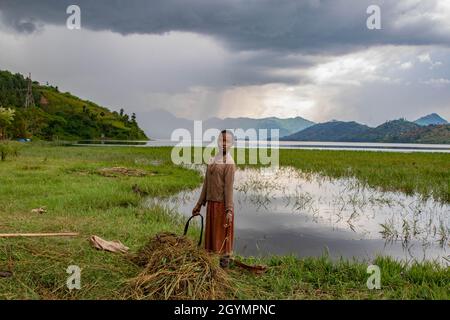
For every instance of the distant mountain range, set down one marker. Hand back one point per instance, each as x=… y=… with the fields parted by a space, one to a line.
x=58 y=115
x=429 y=129
x=160 y=124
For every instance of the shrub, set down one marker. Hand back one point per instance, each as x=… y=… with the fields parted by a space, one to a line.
x=8 y=148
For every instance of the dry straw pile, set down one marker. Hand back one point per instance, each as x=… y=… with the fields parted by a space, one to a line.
x=175 y=268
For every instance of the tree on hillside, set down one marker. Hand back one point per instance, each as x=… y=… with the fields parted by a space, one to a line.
x=30 y=122
x=6 y=118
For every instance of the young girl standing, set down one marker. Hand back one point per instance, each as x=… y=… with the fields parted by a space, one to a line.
x=217 y=194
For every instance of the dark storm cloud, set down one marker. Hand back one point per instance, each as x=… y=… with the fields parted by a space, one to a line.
x=264 y=66
x=313 y=58
x=310 y=26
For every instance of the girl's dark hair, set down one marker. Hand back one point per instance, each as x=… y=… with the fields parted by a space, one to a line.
x=226 y=131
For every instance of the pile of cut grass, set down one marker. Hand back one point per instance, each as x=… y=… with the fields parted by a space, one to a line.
x=175 y=268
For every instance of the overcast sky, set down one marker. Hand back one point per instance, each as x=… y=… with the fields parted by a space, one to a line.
x=201 y=58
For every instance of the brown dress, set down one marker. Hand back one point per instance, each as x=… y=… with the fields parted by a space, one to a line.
x=217 y=193
x=218 y=238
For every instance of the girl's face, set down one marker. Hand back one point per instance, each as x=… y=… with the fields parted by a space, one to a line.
x=225 y=142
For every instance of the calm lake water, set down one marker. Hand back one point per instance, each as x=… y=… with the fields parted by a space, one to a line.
x=289 y=212
x=393 y=147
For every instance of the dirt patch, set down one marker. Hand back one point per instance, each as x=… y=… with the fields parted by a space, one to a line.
x=122 y=171
x=31 y=167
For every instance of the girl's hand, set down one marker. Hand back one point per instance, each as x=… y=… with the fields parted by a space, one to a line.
x=228 y=219
x=196 y=210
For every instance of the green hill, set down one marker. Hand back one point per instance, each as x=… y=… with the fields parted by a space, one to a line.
x=330 y=131
x=395 y=131
x=390 y=131
x=428 y=134
x=58 y=115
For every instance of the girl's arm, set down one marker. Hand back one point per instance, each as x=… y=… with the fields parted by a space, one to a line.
x=229 y=182
x=202 y=199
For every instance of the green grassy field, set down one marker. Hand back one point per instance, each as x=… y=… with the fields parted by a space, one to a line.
x=65 y=180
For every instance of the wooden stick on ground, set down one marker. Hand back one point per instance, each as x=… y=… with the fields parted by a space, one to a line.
x=50 y=234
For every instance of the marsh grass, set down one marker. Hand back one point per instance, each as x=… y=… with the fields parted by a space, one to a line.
x=427 y=174
x=347 y=202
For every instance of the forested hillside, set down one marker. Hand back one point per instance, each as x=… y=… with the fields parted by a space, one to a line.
x=63 y=116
